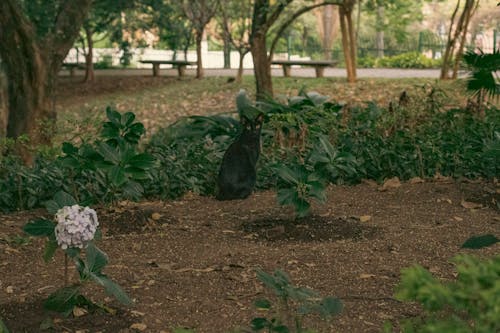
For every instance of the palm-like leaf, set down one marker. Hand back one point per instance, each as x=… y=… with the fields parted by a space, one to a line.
x=483 y=71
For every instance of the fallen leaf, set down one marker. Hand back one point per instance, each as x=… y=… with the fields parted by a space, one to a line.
x=365 y=218
x=440 y=178
x=416 y=180
x=390 y=183
x=458 y=218
x=9 y=290
x=137 y=313
x=138 y=326
x=470 y=205
x=78 y=312
x=156 y=216
x=366 y=276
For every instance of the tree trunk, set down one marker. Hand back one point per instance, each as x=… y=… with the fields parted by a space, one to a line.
x=239 y=74
x=328 y=30
x=380 y=31
x=470 y=8
x=3 y=104
x=89 y=56
x=348 y=41
x=199 y=64
x=452 y=52
x=226 y=49
x=32 y=66
x=261 y=67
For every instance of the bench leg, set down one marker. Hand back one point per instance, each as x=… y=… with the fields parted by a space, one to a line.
x=72 y=71
x=156 y=69
x=181 y=69
x=320 y=71
x=286 y=70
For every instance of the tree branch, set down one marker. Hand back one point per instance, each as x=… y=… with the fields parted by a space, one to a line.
x=292 y=18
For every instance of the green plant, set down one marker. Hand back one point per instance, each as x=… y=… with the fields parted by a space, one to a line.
x=483 y=68
x=113 y=158
x=407 y=60
x=293 y=304
x=74 y=232
x=3 y=327
x=471 y=303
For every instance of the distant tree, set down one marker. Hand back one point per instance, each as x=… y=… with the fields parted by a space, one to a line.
x=101 y=16
x=265 y=14
x=199 y=12
x=328 y=28
x=167 y=19
x=235 y=20
x=457 y=34
x=394 y=16
x=35 y=38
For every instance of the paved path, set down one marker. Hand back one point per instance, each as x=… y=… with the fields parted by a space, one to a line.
x=276 y=72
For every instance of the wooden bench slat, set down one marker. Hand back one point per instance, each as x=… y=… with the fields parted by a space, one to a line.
x=179 y=64
x=319 y=65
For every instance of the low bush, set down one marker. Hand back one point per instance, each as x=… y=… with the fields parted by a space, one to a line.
x=469 y=304
x=407 y=60
x=330 y=142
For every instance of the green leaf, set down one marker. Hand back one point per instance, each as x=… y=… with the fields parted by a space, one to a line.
x=280 y=329
x=258 y=324
x=127 y=119
x=108 y=152
x=479 y=242
x=117 y=175
x=287 y=174
x=62 y=300
x=52 y=206
x=3 y=328
x=50 y=249
x=111 y=288
x=69 y=149
x=64 y=199
x=113 y=116
x=96 y=259
x=142 y=161
x=331 y=306
x=39 y=228
x=286 y=196
x=263 y=304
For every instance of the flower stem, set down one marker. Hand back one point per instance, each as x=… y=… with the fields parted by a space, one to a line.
x=65 y=270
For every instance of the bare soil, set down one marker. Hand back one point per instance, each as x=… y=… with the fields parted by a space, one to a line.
x=191 y=262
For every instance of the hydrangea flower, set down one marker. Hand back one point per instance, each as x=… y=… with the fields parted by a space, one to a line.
x=76 y=226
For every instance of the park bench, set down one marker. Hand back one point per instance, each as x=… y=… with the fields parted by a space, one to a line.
x=319 y=65
x=71 y=66
x=180 y=64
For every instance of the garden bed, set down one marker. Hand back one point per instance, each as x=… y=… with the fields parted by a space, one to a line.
x=191 y=262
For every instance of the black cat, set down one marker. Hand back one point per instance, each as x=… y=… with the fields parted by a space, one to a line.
x=237 y=174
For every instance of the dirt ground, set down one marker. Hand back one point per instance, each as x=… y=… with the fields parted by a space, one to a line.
x=191 y=262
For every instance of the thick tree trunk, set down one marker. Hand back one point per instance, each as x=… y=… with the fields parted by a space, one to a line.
x=3 y=104
x=199 y=63
x=31 y=66
x=89 y=56
x=261 y=67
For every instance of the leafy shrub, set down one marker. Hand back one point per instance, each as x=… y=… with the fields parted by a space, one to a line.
x=469 y=304
x=82 y=229
x=407 y=60
x=292 y=305
x=104 y=170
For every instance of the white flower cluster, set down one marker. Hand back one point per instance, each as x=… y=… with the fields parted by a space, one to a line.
x=76 y=226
